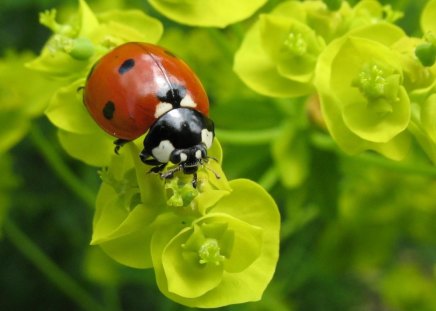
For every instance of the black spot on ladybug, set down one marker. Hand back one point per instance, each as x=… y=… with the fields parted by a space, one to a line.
x=109 y=110
x=126 y=66
x=173 y=96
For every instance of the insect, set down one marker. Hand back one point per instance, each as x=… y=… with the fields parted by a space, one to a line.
x=140 y=87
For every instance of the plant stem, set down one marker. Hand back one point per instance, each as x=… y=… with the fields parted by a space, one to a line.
x=255 y=137
x=60 y=168
x=401 y=167
x=43 y=263
x=325 y=142
x=222 y=42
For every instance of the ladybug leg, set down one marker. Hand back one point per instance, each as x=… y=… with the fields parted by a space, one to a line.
x=195 y=181
x=157 y=168
x=170 y=173
x=210 y=158
x=119 y=143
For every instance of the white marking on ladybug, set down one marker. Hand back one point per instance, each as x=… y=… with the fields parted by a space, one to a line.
x=206 y=137
x=188 y=102
x=198 y=154
x=163 y=151
x=161 y=108
x=183 y=157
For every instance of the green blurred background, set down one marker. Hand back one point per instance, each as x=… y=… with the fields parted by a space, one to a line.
x=358 y=233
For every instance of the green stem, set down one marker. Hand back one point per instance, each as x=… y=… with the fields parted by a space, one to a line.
x=269 y=178
x=60 y=168
x=401 y=167
x=254 y=137
x=326 y=143
x=62 y=280
x=112 y=298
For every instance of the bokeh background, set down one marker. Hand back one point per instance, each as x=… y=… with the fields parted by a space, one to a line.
x=358 y=234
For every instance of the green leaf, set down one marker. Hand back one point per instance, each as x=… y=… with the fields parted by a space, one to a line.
x=184 y=274
x=58 y=65
x=129 y=244
x=67 y=111
x=245 y=245
x=121 y=223
x=87 y=20
x=20 y=99
x=94 y=149
x=361 y=114
x=428 y=117
x=207 y=13
x=131 y=25
x=150 y=185
x=293 y=45
x=263 y=77
x=428 y=22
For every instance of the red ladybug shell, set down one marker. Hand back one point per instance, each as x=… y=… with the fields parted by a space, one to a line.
x=134 y=84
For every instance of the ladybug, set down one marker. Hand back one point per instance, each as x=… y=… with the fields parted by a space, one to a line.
x=139 y=87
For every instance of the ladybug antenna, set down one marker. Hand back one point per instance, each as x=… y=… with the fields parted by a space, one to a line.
x=212 y=158
x=80 y=88
x=217 y=176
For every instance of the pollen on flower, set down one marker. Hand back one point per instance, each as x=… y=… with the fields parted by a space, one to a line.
x=295 y=44
x=379 y=85
x=371 y=81
x=209 y=252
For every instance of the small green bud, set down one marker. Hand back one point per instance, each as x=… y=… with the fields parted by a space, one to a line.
x=426 y=53
x=82 y=49
x=333 y=5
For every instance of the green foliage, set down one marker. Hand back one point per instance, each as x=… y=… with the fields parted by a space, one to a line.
x=8 y=182
x=15 y=111
x=292 y=87
x=207 y=13
x=361 y=67
x=196 y=241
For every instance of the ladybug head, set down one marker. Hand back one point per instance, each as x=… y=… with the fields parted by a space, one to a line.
x=180 y=136
x=189 y=159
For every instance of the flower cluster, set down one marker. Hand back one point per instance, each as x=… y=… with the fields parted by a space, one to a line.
x=211 y=245
x=207 y=12
x=375 y=84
